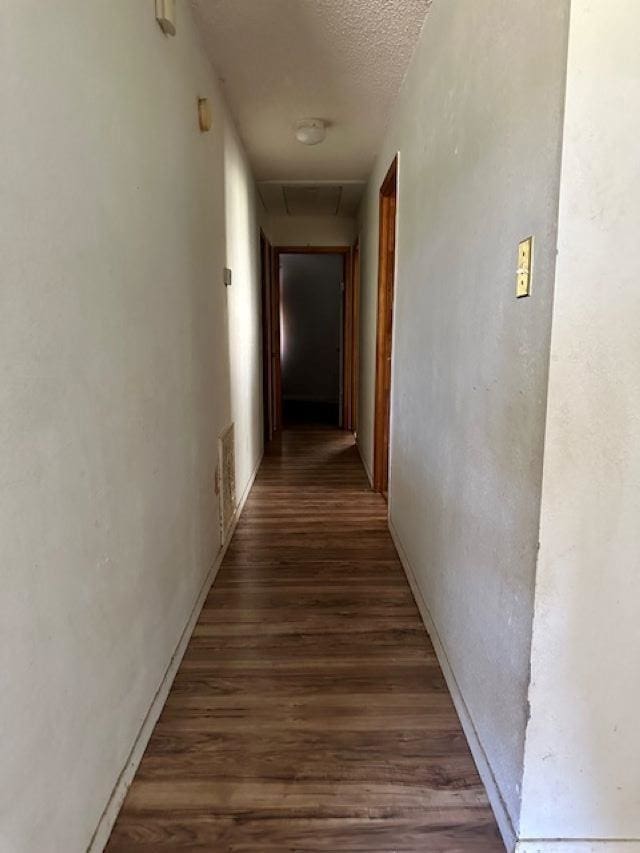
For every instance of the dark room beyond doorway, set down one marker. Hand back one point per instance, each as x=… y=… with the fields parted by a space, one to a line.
x=311 y=337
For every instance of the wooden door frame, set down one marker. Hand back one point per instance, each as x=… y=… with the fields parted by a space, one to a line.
x=384 y=329
x=271 y=369
x=354 y=332
x=267 y=379
x=348 y=366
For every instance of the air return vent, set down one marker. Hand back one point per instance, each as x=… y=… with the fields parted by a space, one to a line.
x=319 y=199
x=227 y=469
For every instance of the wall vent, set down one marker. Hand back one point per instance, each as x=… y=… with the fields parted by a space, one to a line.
x=227 y=481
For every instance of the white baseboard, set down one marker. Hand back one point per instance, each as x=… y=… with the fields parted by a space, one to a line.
x=502 y=816
x=364 y=464
x=577 y=845
x=112 y=809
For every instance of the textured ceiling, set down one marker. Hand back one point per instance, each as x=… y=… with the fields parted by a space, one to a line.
x=284 y=60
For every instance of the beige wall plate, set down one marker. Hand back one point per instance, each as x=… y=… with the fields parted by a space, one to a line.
x=205 y=117
x=166 y=16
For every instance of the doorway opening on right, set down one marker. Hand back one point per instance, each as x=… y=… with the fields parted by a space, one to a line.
x=384 y=334
x=310 y=335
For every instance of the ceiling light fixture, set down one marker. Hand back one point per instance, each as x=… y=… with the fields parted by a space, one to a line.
x=311 y=131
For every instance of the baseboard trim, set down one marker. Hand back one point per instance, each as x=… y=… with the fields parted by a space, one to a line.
x=112 y=809
x=364 y=464
x=578 y=845
x=498 y=806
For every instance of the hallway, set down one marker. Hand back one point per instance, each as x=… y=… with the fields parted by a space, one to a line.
x=309 y=712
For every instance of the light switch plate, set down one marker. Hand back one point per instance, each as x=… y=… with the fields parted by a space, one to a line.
x=525 y=268
x=166 y=16
x=227 y=277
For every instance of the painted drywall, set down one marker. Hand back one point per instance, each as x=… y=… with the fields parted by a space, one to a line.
x=478 y=130
x=311 y=297
x=582 y=764
x=122 y=358
x=310 y=230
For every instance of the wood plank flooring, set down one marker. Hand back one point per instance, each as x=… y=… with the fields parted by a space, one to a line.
x=309 y=712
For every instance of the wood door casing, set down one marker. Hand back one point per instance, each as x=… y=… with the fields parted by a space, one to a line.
x=384 y=334
x=267 y=374
x=349 y=327
x=353 y=338
x=271 y=370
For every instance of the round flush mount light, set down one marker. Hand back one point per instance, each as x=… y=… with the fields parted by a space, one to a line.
x=311 y=131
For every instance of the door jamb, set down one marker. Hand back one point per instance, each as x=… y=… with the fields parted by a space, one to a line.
x=351 y=416
x=348 y=365
x=384 y=329
x=272 y=412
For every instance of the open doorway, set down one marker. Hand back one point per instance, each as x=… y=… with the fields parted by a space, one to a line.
x=384 y=336
x=309 y=333
x=271 y=396
x=311 y=337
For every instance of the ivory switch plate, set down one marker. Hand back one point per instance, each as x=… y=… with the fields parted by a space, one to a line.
x=166 y=16
x=525 y=267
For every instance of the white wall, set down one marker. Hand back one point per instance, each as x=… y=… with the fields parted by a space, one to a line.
x=121 y=361
x=310 y=230
x=244 y=305
x=478 y=127
x=582 y=766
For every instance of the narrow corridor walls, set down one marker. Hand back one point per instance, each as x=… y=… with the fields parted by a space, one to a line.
x=123 y=357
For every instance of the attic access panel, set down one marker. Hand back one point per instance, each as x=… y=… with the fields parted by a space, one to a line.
x=312 y=200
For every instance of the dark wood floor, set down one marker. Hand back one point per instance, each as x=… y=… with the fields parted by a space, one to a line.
x=309 y=713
